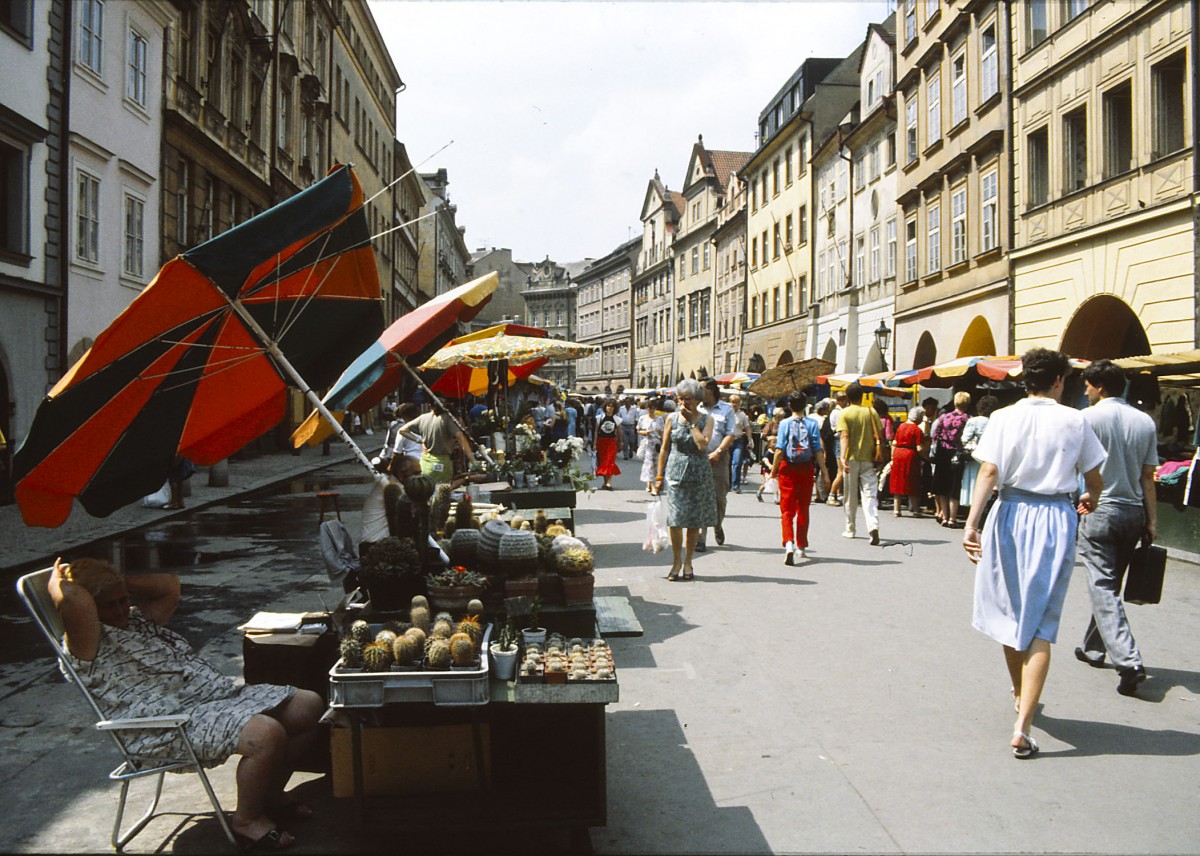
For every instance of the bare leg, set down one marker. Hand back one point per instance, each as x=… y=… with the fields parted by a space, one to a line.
x=263 y=747
x=298 y=716
x=1014 y=659
x=1034 y=668
x=677 y=549
x=896 y=510
x=953 y=509
x=692 y=536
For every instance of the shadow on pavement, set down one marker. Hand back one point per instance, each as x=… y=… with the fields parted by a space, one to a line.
x=604 y=516
x=1098 y=739
x=660 y=621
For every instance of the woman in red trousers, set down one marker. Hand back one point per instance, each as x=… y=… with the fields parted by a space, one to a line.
x=607 y=428
x=796 y=479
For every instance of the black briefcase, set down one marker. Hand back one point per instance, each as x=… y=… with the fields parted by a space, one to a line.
x=1144 y=580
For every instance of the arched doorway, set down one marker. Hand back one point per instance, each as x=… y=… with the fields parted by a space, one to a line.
x=757 y=364
x=830 y=352
x=785 y=358
x=1104 y=327
x=978 y=340
x=874 y=361
x=926 y=353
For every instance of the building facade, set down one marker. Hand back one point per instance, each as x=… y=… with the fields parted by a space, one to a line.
x=604 y=318
x=1104 y=260
x=444 y=256
x=729 y=250
x=506 y=304
x=952 y=101
x=550 y=304
x=654 y=287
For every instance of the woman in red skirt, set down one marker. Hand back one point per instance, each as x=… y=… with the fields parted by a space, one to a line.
x=607 y=428
x=905 y=479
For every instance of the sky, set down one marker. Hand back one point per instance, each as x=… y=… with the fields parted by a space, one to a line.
x=560 y=112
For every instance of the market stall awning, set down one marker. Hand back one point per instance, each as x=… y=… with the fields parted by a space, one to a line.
x=1178 y=369
x=462 y=380
x=517 y=350
x=965 y=369
x=784 y=379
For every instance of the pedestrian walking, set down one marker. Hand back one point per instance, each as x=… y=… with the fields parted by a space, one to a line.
x=650 y=429
x=770 y=431
x=739 y=452
x=947 y=461
x=972 y=432
x=862 y=445
x=1034 y=452
x=686 y=473
x=905 y=478
x=1126 y=512
x=718 y=455
x=836 y=490
x=608 y=427
x=628 y=416
x=797 y=452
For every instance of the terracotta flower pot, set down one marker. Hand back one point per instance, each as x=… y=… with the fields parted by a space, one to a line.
x=452 y=598
x=578 y=590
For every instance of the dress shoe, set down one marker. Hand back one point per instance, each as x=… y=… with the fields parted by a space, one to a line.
x=1130 y=678
x=1094 y=662
x=720 y=533
x=700 y=547
x=874 y=537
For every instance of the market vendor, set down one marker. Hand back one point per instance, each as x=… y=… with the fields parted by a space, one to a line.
x=437 y=433
x=374 y=511
x=134 y=667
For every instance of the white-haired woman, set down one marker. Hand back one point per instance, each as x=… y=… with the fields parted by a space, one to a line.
x=684 y=469
x=905 y=479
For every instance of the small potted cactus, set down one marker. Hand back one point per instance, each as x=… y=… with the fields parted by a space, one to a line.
x=504 y=652
x=352 y=655
x=575 y=568
x=533 y=633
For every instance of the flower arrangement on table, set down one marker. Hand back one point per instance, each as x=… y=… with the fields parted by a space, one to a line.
x=566 y=451
x=489 y=422
x=457 y=577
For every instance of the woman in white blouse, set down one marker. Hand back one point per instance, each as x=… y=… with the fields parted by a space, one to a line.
x=1034 y=451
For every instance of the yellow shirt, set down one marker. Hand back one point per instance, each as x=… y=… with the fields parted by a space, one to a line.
x=856 y=420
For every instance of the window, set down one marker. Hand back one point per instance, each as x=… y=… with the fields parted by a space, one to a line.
x=788 y=303
x=873 y=162
x=860 y=174
x=775 y=177
x=135 y=80
x=989 y=68
x=754 y=311
x=860 y=261
x=989 y=209
x=1038 y=146
x=802 y=233
x=763 y=187
x=1117 y=107
x=1037 y=28
x=821 y=284
x=87 y=218
x=1168 y=85
x=933 y=97
x=843 y=179
x=787 y=233
x=776 y=241
x=801 y=164
x=958 y=224
x=1075 y=8
x=17 y=15
x=237 y=83
x=890 y=259
x=182 y=212
x=14 y=203
x=91 y=34
x=910 y=125
x=910 y=21
x=787 y=166
x=695 y=260
x=958 y=88
x=212 y=66
x=843 y=261
x=889 y=143
x=285 y=118
x=754 y=251
x=1075 y=162
x=933 y=238
x=873 y=270
x=695 y=212
x=682 y=266
x=801 y=293
x=910 y=250
x=753 y=196
x=774 y=304
x=135 y=215
x=764 y=247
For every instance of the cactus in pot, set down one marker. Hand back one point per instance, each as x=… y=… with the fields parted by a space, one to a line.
x=462 y=649
x=352 y=653
x=377 y=657
x=438 y=653
x=361 y=631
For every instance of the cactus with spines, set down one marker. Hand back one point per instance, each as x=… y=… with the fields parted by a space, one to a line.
x=405 y=650
x=443 y=628
x=352 y=653
x=420 y=600
x=437 y=654
x=462 y=649
x=575 y=563
x=361 y=631
x=470 y=625
x=377 y=657
x=439 y=508
x=475 y=607
x=419 y=636
x=419 y=616
x=386 y=637
x=556 y=529
x=464 y=514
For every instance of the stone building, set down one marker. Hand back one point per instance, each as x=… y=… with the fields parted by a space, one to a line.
x=952 y=97
x=1103 y=256
x=703 y=193
x=550 y=304
x=506 y=304
x=729 y=300
x=779 y=210
x=444 y=256
x=408 y=198
x=604 y=318
x=654 y=287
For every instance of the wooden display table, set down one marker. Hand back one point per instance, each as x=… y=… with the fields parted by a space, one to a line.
x=548 y=496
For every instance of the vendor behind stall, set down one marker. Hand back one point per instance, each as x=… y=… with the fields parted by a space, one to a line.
x=437 y=434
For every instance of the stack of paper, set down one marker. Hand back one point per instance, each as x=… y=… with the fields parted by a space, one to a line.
x=273 y=622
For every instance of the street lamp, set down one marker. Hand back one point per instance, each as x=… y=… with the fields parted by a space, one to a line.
x=883 y=337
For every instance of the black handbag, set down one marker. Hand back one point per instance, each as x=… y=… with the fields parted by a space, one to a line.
x=1144 y=580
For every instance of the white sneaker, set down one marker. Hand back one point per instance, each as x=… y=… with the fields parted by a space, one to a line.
x=788 y=553
x=849 y=533
x=801 y=553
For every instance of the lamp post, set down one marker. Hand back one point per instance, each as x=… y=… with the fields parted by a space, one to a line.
x=883 y=337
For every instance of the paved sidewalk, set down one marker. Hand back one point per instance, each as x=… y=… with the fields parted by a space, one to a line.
x=22 y=547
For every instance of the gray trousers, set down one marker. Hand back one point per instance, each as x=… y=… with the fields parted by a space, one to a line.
x=1107 y=538
x=720 y=471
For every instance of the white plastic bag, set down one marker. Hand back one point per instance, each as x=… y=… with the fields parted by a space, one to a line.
x=160 y=499
x=657 y=536
x=771 y=486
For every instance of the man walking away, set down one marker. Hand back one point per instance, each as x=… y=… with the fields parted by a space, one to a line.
x=860 y=431
x=629 y=416
x=718 y=455
x=741 y=439
x=1125 y=513
x=797 y=450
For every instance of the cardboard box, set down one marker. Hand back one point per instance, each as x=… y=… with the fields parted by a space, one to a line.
x=412 y=760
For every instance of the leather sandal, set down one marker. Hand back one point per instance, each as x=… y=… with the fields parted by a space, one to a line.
x=1030 y=748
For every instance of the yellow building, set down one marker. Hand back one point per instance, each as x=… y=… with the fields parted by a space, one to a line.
x=653 y=286
x=1103 y=259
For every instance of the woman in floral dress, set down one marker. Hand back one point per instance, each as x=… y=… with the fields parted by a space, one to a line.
x=650 y=429
x=684 y=468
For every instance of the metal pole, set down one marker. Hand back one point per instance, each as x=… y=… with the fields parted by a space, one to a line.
x=481 y=449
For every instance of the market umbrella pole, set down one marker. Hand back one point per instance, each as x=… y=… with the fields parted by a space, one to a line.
x=433 y=396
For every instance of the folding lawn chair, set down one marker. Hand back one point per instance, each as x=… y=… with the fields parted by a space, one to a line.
x=33 y=590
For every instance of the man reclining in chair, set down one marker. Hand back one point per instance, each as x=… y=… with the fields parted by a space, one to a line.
x=133 y=666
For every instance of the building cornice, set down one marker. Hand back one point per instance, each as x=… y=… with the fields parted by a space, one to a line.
x=1177 y=206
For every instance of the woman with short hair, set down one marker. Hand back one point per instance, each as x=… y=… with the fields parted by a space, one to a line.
x=1034 y=451
x=947 y=461
x=608 y=430
x=905 y=478
x=684 y=469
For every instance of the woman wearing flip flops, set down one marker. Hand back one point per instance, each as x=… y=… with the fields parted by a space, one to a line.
x=684 y=469
x=1034 y=452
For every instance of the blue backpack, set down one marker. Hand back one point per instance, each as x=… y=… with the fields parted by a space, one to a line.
x=795 y=441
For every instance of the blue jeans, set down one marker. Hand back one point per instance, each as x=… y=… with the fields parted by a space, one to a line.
x=737 y=464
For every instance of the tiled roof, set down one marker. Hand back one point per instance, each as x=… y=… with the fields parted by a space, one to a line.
x=678 y=200
x=725 y=163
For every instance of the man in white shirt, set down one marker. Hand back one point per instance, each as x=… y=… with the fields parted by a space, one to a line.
x=1126 y=512
x=628 y=415
x=718 y=455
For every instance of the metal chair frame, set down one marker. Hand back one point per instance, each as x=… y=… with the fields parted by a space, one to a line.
x=33 y=589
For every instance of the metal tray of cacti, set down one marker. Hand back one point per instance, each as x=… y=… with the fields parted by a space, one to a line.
x=452 y=688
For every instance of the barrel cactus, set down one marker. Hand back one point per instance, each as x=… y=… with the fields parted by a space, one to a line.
x=462 y=649
x=419 y=616
x=574 y=563
x=438 y=653
x=377 y=657
x=406 y=650
x=361 y=631
x=470 y=626
x=352 y=653
x=386 y=637
x=418 y=636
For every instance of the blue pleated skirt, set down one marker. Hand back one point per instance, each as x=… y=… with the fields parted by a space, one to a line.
x=1021 y=581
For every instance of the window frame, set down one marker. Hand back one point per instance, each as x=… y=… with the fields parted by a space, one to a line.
x=1168 y=121
x=911 y=260
x=933 y=236
x=90 y=36
x=87 y=217
x=912 y=137
x=1037 y=155
x=889 y=259
x=958 y=88
x=140 y=238
x=873 y=250
x=933 y=107
x=989 y=63
x=958 y=224
x=1075 y=163
x=135 y=76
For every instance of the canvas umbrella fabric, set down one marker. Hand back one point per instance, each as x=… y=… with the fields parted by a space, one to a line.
x=462 y=380
x=518 y=350
x=782 y=380
x=377 y=370
x=736 y=378
x=200 y=362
